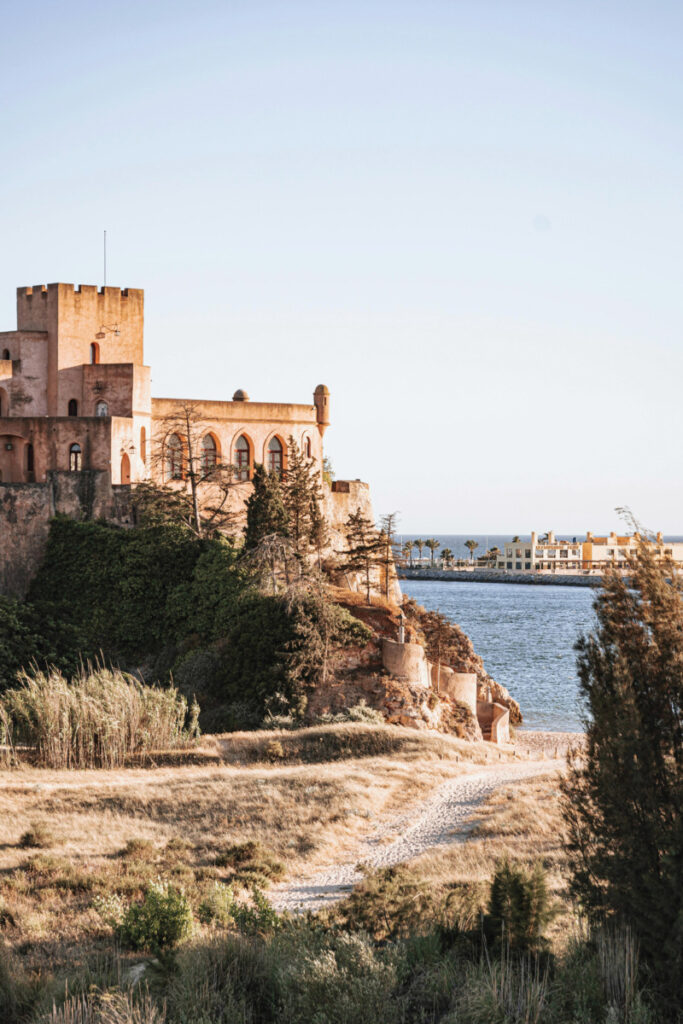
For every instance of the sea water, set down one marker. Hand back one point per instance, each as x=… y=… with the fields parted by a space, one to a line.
x=526 y=637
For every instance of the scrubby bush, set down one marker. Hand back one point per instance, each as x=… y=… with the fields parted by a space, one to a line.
x=251 y=864
x=217 y=905
x=257 y=917
x=38 y=836
x=161 y=921
x=98 y=719
x=356 y=713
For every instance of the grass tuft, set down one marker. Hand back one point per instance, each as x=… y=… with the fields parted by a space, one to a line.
x=96 y=720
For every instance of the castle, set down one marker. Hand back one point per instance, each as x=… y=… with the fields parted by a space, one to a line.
x=75 y=395
x=78 y=424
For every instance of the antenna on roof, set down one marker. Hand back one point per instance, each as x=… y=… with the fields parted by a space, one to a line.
x=105 y=259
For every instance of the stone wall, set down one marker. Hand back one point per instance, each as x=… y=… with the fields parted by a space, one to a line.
x=340 y=500
x=26 y=510
x=500 y=576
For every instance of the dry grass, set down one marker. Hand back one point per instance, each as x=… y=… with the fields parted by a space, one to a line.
x=116 y=830
x=97 y=719
x=521 y=822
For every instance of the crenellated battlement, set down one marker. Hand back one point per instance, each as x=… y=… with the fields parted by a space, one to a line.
x=41 y=290
x=84 y=308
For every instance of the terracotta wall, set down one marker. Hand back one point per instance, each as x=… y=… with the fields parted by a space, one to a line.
x=52 y=439
x=228 y=421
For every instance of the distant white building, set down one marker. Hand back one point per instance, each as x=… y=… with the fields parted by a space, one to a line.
x=547 y=554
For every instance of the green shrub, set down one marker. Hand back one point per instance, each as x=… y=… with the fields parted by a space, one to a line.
x=388 y=903
x=258 y=917
x=519 y=907
x=161 y=921
x=217 y=905
x=338 y=978
x=29 y=637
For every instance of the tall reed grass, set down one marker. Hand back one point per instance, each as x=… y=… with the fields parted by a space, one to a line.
x=97 y=720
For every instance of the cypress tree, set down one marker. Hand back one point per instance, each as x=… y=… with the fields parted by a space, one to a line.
x=624 y=794
x=301 y=498
x=266 y=513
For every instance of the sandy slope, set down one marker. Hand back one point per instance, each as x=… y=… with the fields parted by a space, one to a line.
x=444 y=817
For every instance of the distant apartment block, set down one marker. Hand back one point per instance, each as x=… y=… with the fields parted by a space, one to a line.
x=548 y=554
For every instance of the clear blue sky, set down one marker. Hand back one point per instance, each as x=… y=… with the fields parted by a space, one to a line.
x=464 y=217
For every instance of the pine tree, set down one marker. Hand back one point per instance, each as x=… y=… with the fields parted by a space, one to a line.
x=365 y=548
x=301 y=499
x=266 y=513
x=387 y=539
x=624 y=794
x=319 y=535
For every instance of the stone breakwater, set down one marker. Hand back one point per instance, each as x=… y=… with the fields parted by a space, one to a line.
x=497 y=576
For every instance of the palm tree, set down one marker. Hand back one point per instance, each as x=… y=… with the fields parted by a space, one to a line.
x=408 y=551
x=471 y=546
x=446 y=556
x=516 y=539
x=432 y=544
x=419 y=544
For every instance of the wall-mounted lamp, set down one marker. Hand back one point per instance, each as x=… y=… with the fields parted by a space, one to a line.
x=106 y=329
x=9 y=446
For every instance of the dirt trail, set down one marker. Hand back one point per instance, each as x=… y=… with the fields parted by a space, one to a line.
x=442 y=818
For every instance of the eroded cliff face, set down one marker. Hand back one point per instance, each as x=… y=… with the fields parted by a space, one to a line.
x=361 y=678
x=463 y=658
x=409 y=699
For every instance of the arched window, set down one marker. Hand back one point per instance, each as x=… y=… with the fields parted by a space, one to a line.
x=75 y=458
x=30 y=462
x=242 y=458
x=209 y=453
x=307 y=448
x=6 y=355
x=143 y=444
x=94 y=353
x=275 y=456
x=174 y=458
x=125 y=469
x=101 y=409
x=73 y=407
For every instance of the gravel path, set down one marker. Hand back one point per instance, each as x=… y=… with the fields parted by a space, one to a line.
x=442 y=818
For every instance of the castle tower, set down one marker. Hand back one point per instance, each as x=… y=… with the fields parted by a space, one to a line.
x=321 y=400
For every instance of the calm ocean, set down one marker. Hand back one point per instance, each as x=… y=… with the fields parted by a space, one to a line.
x=525 y=635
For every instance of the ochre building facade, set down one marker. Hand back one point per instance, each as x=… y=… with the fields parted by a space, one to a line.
x=79 y=426
x=75 y=395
